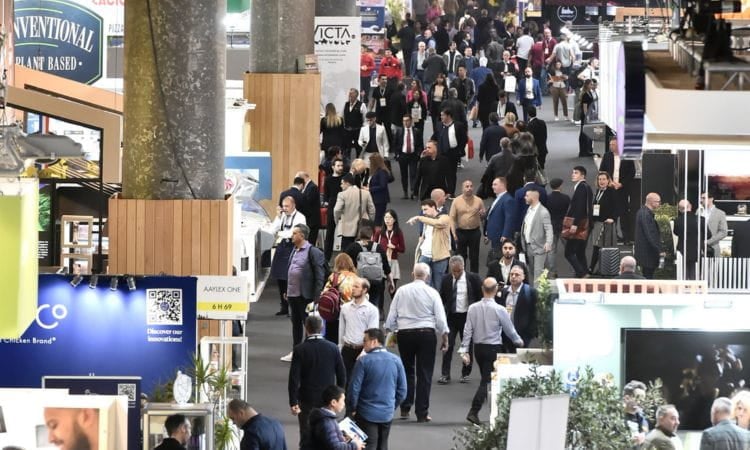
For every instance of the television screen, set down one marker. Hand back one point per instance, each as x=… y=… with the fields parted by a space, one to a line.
x=695 y=366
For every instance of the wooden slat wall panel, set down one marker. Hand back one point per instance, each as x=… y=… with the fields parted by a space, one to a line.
x=177 y=237
x=112 y=231
x=285 y=122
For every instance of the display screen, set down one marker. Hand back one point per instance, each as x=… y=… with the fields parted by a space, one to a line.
x=695 y=366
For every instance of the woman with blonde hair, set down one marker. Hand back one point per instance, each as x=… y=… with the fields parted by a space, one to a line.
x=741 y=409
x=342 y=277
x=332 y=129
x=360 y=172
x=510 y=125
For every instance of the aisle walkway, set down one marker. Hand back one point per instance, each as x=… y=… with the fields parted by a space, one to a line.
x=270 y=336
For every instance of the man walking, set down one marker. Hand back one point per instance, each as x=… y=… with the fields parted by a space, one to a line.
x=557 y=205
x=306 y=277
x=377 y=387
x=258 y=431
x=458 y=292
x=281 y=227
x=332 y=189
x=486 y=321
x=500 y=217
x=352 y=205
x=724 y=434
x=431 y=172
x=519 y=299
x=648 y=247
x=355 y=318
x=452 y=138
x=536 y=234
x=538 y=128
x=434 y=243
x=373 y=138
x=528 y=93
x=316 y=364
x=418 y=317
x=716 y=220
x=579 y=210
x=466 y=215
x=408 y=143
x=310 y=206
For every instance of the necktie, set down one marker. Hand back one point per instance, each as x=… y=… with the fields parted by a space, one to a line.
x=408 y=140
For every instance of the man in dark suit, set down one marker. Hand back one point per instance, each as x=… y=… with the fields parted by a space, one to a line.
x=408 y=144
x=580 y=211
x=557 y=204
x=648 y=246
x=528 y=93
x=310 y=205
x=627 y=270
x=741 y=239
x=451 y=139
x=396 y=109
x=294 y=191
x=724 y=434
x=332 y=188
x=489 y=146
x=520 y=300
x=538 y=128
x=500 y=269
x=431 y=172
x=316 y=364
x=457 y=291
x=501 y=215
x=503 y=106
x=686 y=228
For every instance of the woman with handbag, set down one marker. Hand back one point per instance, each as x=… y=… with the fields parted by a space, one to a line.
x=604 y=212
x=391 y=240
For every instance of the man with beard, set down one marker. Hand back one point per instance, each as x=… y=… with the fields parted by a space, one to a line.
x=178 y=428
x=73 y=428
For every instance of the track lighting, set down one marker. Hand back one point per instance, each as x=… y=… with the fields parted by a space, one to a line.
x=76 y=280
x=131 y=282
x=113 y=283
x=93 y=281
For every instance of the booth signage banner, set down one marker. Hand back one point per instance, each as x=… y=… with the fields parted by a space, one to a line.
x=373 y=19
x=60 y=37
x=567 y=13
x=337 y=46
x=78 y=331
x=224 y=298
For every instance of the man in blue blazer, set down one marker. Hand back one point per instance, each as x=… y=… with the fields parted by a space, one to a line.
x=500 y=218
x=528 y=93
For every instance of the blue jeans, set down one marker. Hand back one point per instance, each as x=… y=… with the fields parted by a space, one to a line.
x=437 y=270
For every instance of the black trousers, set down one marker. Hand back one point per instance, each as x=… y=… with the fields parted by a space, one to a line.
x=297 y=306
x=451 y=173
x=456 y=322
x=332 y=331
x=485 y=355
x=304 y=420
x=330 y=231
x=283 y=304
x=575 y=253
x=349 y=355
x=468 y=247
x=346 y=241
x=313 y=237
x=377 y=433
x=408 y=166
x=648 y=272
x=417 y=348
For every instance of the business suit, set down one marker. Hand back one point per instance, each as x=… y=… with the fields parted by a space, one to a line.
x=540 y=240
x=629 y=276
x=500 y=220
x=381 y=142
x=523 y=314
x=431 y=174
x=741 y=240
x=296 y=194
x=408 y=161
x=495 y=270
x=538 y=128
x=316 y=364
x=658 y=440
x=452 y=139
x=725 y=435
x=536 y=93
x=310 y=207
x=647 y=241
x=457 y=320
x=352 y=205
x=717 y=225
x=580 y=210
x=489 y=146
x=686 y=228
x=520 y=198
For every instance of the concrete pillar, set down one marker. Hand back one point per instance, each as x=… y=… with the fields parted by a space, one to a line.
x=280 y=31
x=341 y=8
x=175 y=64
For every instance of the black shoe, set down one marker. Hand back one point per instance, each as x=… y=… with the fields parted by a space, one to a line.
x=282 y=313
x=473 y=418
x=404 y=414
x=444 y=380
x=464 y=379
x=424 y=419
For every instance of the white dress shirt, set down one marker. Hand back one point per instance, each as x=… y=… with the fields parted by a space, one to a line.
x=355 y=319
x=283 y=224
x=527 y=220
x=417 y=305
x=462 y=303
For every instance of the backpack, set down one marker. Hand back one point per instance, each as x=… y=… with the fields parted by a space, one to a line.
x=370 y=263
x=329 y=303
x=573 y=79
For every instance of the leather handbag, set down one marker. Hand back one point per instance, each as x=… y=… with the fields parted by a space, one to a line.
x=582 y=231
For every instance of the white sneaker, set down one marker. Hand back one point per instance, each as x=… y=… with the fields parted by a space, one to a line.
x=556 y=118
x=287 y=358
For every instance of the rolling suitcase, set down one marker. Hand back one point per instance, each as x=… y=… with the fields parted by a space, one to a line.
x=609 y=261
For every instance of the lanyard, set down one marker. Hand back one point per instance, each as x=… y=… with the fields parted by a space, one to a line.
x=599 y=195
x=286 y=226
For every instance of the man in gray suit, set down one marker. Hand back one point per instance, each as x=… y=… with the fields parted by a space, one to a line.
x=716 y=220
x=536 y=234
x=725 y=434
x=352 y=205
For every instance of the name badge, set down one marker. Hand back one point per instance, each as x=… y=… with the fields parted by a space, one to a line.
x=382 y=102
x=596 y=210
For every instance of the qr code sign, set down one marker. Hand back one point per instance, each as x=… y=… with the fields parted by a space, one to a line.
x=164 y=306
x=127 y=389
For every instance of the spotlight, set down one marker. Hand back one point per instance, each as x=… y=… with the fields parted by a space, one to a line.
x=76 y=280
x=113 y=283
x=131 y=282
x=93 y=281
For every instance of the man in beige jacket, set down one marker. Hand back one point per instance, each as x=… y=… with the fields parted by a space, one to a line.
x=352 y=205
x=434 y=247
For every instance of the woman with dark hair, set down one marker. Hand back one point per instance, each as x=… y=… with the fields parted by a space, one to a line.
x=524 y=148
x=438 y=93
x=391 y=240
x=487 y=95
x=417 y=109
x=332 y=129
x=558 y=87
x=414 y=88
x=586 y=99
x=604 y=211
x=380 y=176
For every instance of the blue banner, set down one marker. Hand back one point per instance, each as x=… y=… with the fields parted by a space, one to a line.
x=373 y=19
x=149 y=332
x=60 y=37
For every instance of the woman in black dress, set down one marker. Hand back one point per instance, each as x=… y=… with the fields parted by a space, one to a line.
x=332 y=129
x=487 y=96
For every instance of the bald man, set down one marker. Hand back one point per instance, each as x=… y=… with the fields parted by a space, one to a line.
x=73 y=428
x=627 y=269
x=648 y=246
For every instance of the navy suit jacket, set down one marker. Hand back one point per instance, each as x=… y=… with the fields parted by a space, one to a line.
x=521 y=91
x=500 y=220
